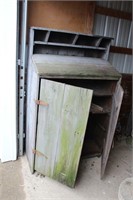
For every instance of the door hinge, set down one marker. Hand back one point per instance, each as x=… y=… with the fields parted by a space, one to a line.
x=39 y=102
x=38 y=153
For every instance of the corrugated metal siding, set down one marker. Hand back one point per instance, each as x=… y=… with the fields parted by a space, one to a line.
x=119 y=29
x=123 y=33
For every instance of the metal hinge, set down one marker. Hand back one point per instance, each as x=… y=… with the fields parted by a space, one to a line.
x=39 y=102
x=38 y=153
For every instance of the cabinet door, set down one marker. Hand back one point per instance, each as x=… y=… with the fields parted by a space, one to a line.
x=117 y=100
x=61 y=129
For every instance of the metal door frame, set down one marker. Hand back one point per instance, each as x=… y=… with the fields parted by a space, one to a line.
x=21 y=78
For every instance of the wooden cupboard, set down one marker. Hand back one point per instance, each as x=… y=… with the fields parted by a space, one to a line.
x=72 y=107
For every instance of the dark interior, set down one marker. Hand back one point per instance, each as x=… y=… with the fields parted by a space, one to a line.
x=99 y=115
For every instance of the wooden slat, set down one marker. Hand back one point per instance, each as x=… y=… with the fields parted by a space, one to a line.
x=32 y=93
x=96 y=108
x=74 y=117
x=62 y=122
x=122 y=50
x=113 y=13
x=117 y=100
x=70 y=45
x=47 y=36
x=48 y=126
x=33 y=86
x=75 y=39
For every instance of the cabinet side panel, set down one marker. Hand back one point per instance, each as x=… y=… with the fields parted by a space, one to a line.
x=31 y=118
x=116 y=105
x=75 y=111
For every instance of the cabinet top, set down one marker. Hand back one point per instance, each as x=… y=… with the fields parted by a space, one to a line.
x=72 y=67
x=62 y=42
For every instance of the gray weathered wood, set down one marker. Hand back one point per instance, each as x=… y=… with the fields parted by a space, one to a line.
x=75 y=39
x=117 y=100
x=69 y=45
x=32 y=93
x=75 y=111
x=69 y=32
x=61 y=122
x=74 y=67
x=47 y=36
x=31 y=117
x=49 y=119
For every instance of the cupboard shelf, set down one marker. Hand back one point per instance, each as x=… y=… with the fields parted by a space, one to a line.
x=69 y=45
x=100 y=94
x=100 y=113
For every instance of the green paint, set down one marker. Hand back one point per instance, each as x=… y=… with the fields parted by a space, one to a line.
x=74 y=119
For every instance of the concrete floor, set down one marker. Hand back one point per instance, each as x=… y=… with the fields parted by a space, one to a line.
x=17 y=183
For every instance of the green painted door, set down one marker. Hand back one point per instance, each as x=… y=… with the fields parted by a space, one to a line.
x=61 y=128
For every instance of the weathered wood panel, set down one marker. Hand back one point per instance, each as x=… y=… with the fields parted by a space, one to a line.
x=117 y=100
x=75 y=111
x=31 y=107
x=49 y=119
x=61 y=122
x=56 y=66
x=113 y=13
x=73 y=16
x=33 y=86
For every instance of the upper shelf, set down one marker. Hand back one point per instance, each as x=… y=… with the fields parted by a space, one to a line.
x=58 y=36
x=50 y=41
x=69 y=45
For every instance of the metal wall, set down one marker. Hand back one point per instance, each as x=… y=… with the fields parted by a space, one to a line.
x=119 y=29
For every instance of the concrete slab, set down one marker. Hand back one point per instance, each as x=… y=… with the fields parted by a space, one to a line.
x=11 y=181
x=126 y=189
x=19 y=184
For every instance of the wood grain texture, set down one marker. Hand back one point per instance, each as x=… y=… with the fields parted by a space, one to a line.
x=49 y=119
x=73 y=16
x=75 y=112
x=117 y=100
x=113 y=13
x=33 y=86
x=122 y=50
x=60 y=123
x=74 y=67
x=31 y=112
x=31 y=107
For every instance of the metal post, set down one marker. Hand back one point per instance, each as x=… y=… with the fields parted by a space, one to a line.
x=22 y=76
